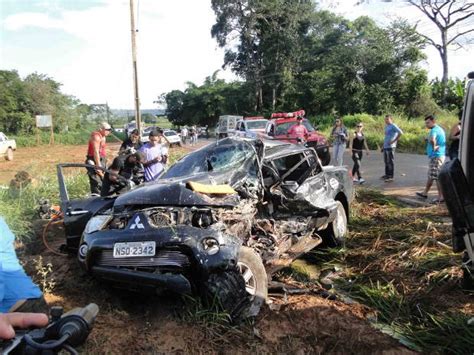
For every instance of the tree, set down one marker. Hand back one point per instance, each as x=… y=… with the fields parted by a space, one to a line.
x=174 y=106
x=261 y=40
x=454 y=20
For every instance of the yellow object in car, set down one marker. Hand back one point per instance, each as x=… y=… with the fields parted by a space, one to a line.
x=211 y=189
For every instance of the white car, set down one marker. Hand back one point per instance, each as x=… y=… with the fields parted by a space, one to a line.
x=172 y=137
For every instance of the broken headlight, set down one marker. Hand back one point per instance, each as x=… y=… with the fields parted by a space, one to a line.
x=97 y=223
x=210 y=246
x=202 y=219
x=118 y=223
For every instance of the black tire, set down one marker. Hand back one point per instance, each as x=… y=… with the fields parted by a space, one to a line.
x=9 y=155
x=225 y=291
x=334 y=236
x=228 y=289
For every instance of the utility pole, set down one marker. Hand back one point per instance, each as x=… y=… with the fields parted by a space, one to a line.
x=135 y=74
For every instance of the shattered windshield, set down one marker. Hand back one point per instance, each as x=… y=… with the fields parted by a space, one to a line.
x=257 y=124
x=217 y=157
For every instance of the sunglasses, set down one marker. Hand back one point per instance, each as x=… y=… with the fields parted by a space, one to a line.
x=359 y=126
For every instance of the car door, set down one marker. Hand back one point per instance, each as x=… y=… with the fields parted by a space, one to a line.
x=77 y=212
x=457 y=181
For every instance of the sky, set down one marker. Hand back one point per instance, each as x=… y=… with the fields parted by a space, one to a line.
x=86 y=44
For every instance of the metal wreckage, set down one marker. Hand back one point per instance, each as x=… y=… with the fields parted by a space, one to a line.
x=218 y=223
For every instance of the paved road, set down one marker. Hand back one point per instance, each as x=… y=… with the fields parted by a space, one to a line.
x=410 y=173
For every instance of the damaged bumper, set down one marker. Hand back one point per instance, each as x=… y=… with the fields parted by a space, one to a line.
x=183 y=255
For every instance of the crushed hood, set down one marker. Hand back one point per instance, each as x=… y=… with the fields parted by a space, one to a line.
x=167 y=194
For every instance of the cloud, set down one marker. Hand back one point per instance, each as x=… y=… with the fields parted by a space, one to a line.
x=174 y=46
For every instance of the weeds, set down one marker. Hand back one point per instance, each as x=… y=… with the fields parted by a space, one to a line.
x=399 y=262
x=44 y=271
x=19 y=206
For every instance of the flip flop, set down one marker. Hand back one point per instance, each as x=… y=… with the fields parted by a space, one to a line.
x=421 y=194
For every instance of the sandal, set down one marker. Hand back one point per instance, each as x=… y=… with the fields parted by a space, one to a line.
x=421 y=194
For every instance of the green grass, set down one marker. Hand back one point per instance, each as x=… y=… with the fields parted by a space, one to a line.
x=19 y=206
x=68 y=138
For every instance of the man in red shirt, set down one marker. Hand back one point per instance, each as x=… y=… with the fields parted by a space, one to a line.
x=298 y=131
x=96 y=156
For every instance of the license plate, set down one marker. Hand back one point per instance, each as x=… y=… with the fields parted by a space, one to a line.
x=134 y=249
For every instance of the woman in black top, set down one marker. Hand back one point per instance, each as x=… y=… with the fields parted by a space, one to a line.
x=357 y=144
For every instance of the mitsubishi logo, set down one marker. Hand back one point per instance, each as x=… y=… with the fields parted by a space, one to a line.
x=137 y=224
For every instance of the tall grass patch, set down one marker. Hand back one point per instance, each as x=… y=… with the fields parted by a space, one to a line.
x=19 y=206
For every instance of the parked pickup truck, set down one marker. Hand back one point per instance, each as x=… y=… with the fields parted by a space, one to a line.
x=7 y=146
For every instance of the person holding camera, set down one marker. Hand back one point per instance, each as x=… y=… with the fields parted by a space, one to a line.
x=155 y=156
x=339 y=135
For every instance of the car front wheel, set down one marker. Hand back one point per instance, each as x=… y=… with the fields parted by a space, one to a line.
x=334 y=236
x=255 y=277
x=240 y=291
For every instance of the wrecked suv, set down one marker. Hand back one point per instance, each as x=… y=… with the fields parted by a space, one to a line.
x=218 y=223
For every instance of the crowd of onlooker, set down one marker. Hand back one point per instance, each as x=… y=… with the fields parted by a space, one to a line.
x=437 y=149
x=135 y=163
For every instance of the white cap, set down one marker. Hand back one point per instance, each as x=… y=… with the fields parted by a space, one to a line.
x=105 y=125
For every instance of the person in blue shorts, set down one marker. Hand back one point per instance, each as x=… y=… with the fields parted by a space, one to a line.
x=436 y=152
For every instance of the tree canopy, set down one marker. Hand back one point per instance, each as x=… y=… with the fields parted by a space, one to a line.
x=289 y=56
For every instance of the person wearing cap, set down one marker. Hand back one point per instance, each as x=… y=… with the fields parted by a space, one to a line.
x=298 y=131
x=154 y=154
x=96 y=156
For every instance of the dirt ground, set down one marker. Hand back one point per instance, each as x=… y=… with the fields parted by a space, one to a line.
x=130 y=323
